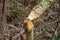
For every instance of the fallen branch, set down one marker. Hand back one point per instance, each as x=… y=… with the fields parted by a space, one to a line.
x=36 y=12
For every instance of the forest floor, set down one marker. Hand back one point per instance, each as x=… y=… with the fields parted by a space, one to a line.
x=46 y=27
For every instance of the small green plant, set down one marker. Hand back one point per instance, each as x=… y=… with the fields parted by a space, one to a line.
x=14 y=12
x=54 y=37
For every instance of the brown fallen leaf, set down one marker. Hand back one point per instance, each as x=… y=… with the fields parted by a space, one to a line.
x=29 y=24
